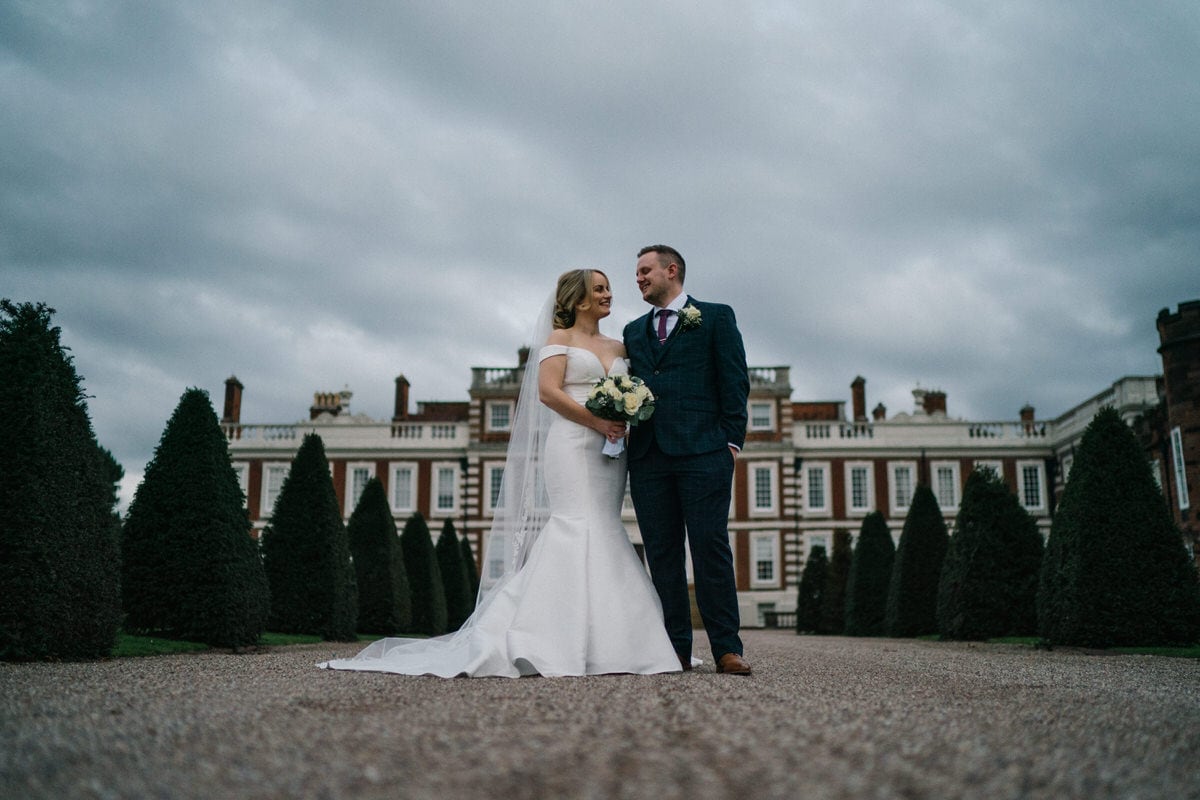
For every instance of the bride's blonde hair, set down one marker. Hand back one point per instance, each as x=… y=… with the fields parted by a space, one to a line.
x=574 y=291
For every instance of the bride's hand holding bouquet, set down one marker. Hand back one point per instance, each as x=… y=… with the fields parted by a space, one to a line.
x=620 y=398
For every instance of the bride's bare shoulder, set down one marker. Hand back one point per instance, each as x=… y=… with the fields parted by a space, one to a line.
x=560 y=336
x=615 y=347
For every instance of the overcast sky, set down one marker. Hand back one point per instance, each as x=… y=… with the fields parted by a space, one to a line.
x=991 y=199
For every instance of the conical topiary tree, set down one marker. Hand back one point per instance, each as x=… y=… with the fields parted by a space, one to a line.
x=870 y=574
x=60 y=571
x=191 y=568
x=306 y=553
x=472 y=573
x=812 y=586
x=1115 y=571
x=832 y=618
x=989 y=578
x=424 y=577
x=912 y=591
x=384 y=599
x=454 y=577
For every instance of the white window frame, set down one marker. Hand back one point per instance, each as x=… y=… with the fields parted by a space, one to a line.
x=489 y=421
x=769 y=425
x=351 y=467
x=771 y=540
x=753 y=470
x=894 y=505
x=490 y=470
x=853 y=510
x=1040 y=505
x=266 y=497
x=435 y=493
x=822 y=468
x=955 y=469
x=1179 y=468
x=242 y=470
x=395 y=467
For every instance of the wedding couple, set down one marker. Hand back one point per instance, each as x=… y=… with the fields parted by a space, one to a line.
x=573 y=598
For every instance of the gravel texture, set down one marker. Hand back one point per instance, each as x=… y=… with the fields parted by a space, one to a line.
x=822 y=717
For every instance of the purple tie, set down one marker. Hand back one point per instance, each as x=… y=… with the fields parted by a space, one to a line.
x=662 y=325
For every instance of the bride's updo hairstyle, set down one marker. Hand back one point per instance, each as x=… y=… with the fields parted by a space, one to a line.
x=574 y=291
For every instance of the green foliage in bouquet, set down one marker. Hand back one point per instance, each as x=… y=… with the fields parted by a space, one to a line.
x=622 y=398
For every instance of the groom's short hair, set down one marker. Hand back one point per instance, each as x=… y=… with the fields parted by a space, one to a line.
x=666 y=254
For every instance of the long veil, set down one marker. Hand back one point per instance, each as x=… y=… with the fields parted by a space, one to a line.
x=521 y=512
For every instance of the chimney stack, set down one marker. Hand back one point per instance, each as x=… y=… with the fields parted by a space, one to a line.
x=233 y=400
x=522 y=356
x=879 y=414
x=935 y=403
x=401 y=411
x=858 y=391
x=326 y=403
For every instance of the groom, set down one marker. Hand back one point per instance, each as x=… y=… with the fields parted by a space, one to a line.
x=681 y=460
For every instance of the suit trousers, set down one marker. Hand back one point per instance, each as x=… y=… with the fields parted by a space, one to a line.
x=678 y=496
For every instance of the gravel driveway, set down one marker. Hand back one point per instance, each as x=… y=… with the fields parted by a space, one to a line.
x=823 y=717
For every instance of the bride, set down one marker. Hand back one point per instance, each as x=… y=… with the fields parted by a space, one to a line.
x=573 y=599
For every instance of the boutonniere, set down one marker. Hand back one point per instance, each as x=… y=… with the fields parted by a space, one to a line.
x=689 y=317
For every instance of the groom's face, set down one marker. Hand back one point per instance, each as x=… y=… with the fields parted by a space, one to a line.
x=655 y=279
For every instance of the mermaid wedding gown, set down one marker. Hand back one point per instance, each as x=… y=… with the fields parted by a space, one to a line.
x=582 y=603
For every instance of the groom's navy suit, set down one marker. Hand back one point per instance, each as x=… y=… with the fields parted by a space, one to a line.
x=681 y=470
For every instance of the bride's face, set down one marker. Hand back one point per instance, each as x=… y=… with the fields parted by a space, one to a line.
x=599 y=302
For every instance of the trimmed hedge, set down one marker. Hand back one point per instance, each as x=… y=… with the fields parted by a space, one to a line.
x=455 y=584
x=306 y=553
x=870 y=574
x=191 y=568
x=424 y=576
x=1116 y=572
x=812 y=586
x=912 y=592
x=472 y=573
x=384 y=599
x=989 y=580
x=60 y=570
x=833 y=597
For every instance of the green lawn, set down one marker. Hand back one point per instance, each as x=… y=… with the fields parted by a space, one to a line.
x=130 y=646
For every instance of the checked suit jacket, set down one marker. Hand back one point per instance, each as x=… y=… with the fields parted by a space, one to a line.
x=699 y=380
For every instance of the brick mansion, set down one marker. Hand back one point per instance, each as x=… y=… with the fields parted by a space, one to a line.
x=808 y=469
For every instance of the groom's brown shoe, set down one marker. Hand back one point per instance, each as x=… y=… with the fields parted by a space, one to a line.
x=733 y=664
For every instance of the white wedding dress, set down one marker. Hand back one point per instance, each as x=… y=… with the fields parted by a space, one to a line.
x=581 y=603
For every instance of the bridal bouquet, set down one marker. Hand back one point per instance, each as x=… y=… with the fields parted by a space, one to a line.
x=621 y=398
